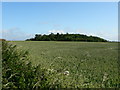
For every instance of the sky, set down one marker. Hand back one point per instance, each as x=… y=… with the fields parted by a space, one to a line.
x=22 y=20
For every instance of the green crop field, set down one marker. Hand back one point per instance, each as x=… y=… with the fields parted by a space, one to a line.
x=90 y=64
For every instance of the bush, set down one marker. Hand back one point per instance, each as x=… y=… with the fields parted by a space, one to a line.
x=17 y=71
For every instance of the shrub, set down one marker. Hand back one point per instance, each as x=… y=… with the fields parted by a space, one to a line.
x=18 y=72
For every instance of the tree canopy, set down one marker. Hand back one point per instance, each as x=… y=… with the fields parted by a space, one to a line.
x=66 y=37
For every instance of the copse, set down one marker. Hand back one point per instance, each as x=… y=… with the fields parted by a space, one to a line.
x=66 y=37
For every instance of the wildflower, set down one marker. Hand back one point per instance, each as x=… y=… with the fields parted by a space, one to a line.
x=50 y=70
x=59 y=57
x=66 y=73
x=105 y=77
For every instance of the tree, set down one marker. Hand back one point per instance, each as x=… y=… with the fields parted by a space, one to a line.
x=66 y=37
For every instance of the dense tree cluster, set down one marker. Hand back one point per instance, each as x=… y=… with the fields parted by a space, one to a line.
x=66 y=37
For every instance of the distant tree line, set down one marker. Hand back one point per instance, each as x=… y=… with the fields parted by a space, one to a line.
x=66 y=37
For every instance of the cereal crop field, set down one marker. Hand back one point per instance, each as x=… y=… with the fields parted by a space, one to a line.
x=90 y=64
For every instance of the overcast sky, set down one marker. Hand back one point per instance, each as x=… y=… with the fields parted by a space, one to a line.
x=22 y=20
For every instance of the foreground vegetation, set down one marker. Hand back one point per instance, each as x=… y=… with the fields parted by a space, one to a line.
x=18 y=73
x=88 y=65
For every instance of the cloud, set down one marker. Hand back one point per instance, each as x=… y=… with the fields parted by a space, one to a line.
x=56 y=31
x=15 y=34
x=61 y=31
x=112 y=35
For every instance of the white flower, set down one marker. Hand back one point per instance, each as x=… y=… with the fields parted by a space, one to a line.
x=50 y=70
x=59 y=57
x=105 y=77
x=66 y=73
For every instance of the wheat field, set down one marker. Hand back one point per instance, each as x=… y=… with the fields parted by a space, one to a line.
x=90 y=64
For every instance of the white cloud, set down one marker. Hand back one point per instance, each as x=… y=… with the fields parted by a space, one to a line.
x=56 y=31
x=61 y=31
x=15 y=34
x=112 y=35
